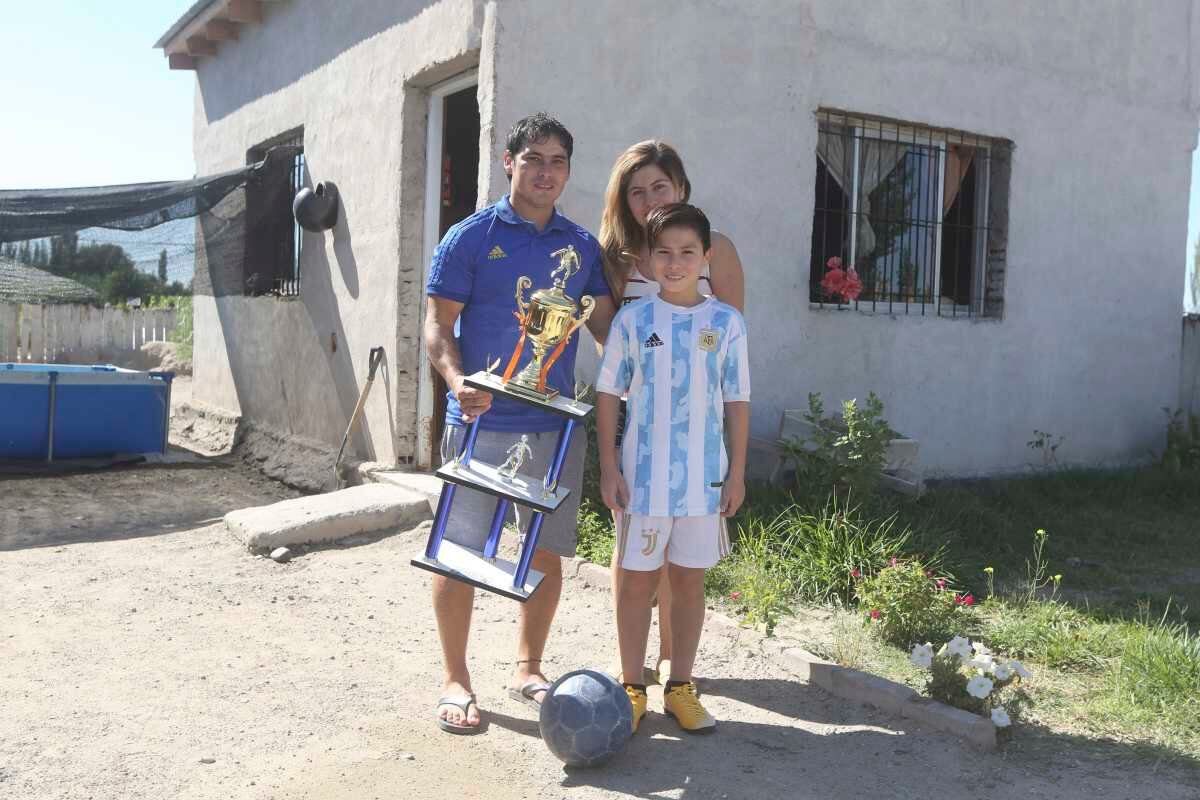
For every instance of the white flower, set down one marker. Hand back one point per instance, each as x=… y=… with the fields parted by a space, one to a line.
x=1019 y=668
x=982 y=663
x=980 y=649
x=960 y=647
x=1000 y=718
x=979 y=687
x=922 y=655
x=1002 y=671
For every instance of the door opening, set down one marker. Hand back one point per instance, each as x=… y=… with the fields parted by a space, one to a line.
x=451 y=192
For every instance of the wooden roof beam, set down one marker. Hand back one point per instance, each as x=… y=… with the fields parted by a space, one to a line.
x=220 y=30
x=181 y=61
x=243 y=11
x=200 y=46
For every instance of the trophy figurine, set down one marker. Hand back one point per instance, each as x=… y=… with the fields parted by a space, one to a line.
x=547 y=320
x=516 y=456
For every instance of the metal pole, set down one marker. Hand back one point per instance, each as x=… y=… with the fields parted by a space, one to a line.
x=53 y=403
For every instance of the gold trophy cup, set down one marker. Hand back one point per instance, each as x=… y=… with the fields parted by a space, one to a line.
x=547 y=320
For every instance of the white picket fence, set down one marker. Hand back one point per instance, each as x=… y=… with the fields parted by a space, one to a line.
x=71 y=333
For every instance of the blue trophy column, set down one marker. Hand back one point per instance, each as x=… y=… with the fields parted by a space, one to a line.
x=447 y=497
x=535 y=522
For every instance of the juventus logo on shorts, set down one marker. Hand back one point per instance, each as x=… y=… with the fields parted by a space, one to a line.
x=651 y=537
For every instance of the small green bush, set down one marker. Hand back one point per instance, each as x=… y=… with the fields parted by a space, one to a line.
x=905 y=603
x=818 y=554
x=596 y=539
x=843 y=454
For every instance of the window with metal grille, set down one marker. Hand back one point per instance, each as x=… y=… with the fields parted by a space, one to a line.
x=914 y=217
x=273 y=237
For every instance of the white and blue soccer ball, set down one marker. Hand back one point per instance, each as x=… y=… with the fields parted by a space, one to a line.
x=586 y=718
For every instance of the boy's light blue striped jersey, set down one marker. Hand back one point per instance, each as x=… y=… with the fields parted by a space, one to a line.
x=679 y=367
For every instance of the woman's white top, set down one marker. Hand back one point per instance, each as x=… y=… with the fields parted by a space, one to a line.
x=637 y=286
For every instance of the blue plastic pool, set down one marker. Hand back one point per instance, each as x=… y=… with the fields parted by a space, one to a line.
x=50 y=412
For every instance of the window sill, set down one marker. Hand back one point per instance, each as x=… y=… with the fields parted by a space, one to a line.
x=921 y=310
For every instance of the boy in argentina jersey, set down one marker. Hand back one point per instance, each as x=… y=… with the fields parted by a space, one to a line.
x=681 y=357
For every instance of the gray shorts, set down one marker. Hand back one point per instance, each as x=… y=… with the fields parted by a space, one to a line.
x=471 y=515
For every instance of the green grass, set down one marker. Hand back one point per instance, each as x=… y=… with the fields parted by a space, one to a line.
x=1118 y=538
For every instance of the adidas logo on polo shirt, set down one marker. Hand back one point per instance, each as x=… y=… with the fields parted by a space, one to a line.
x=652 y=341
x=497 y=252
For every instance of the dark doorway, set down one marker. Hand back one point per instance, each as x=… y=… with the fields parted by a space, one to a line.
x=460 y=181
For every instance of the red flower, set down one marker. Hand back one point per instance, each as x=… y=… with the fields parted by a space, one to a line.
x=841 y=282
x=964 y=599
x=874 y=613
x=941 y=583
x=854 y=573
x=735 y=595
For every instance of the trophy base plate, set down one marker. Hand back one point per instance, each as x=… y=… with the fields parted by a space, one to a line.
x=469 y=566
x=520 y=489
x=557 y=403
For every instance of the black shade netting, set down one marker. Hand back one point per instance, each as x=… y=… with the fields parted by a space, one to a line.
x=243 y=226
x=36 y=213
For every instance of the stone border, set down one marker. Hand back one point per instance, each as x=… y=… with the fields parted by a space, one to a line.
x=844 y=682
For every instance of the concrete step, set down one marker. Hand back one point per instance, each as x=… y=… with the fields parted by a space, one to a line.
x=425 y=483
x=322 y=518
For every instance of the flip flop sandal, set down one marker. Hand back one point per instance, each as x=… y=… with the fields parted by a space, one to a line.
x=527 y=691
x=463 y=703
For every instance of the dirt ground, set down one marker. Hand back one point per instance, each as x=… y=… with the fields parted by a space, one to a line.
x=144 y=654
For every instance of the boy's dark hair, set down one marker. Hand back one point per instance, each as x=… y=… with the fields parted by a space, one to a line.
x=538 y=128
x=678 y=215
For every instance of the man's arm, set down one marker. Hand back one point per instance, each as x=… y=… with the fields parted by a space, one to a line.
x=440 y=316
x=737 y=426
x=601 y=319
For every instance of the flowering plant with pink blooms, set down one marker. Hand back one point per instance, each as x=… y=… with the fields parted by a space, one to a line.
x=841 y=283
x=905 y=602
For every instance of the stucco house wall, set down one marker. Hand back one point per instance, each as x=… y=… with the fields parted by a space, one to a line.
x=1098 y=97
x=351 y=79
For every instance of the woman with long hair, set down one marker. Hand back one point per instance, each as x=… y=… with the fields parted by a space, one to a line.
x=647 y=175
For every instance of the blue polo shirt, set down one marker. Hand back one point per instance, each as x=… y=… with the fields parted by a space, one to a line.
x=477 y=264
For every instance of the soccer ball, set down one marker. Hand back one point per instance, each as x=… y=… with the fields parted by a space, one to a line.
x=586 y=718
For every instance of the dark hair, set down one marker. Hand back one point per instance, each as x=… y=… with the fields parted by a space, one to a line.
x=678 y=215
x=538 y=128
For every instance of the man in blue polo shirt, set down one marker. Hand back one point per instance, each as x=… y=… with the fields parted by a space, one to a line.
x=471 y=282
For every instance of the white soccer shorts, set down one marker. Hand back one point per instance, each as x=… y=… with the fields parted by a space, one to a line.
x=695 y=542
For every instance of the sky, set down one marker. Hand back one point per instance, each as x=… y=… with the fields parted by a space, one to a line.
x=87 y=99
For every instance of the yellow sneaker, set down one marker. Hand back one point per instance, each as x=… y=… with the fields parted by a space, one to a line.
x=682 y=703
x=637 y=698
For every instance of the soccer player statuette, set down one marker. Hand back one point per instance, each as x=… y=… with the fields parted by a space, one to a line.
x=548 y=320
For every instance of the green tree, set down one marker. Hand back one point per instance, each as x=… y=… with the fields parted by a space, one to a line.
x=122 y=283
x=62 y=252
x=100 y=259
x=162 y=266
